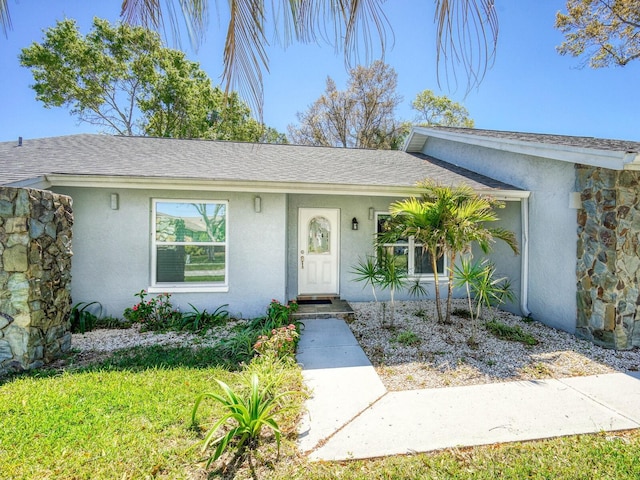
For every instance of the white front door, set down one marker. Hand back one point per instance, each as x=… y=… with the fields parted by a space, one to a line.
x=318 y=242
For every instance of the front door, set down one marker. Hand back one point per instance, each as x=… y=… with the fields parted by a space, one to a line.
x=318 y=241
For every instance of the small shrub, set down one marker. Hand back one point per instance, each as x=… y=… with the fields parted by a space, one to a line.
x=281 y=342
x=461 y=312
x=157 y=313
x=407 y=338
x=422 y=314
x=197 y=321
x=84 y=316
x=507 y=332
x=248 y=414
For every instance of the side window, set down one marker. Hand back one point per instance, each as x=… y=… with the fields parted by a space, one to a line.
x=189 y=244
x=409 y=255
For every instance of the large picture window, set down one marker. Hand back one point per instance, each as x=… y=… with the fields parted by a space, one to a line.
x=409 y=255
x=189 y=244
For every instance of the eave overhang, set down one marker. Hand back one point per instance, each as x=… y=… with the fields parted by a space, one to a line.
x=611 y=159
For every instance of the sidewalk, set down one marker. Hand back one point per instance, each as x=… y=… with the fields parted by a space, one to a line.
x=351 y=415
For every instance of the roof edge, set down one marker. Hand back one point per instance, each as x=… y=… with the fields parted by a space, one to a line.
x=97 y=181
x=611 y=159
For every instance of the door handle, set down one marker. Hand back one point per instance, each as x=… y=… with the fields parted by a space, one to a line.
x=302 y=261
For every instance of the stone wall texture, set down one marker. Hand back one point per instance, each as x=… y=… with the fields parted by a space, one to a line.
x=608 y=257
x=35 y=277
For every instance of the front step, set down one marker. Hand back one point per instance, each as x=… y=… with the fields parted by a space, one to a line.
x=335 y=308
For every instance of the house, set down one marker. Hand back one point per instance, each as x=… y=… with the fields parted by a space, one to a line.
x=218 y=223
x=582 y=222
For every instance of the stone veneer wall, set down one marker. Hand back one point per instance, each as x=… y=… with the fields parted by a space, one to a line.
x=608 y=268
x=35 y=277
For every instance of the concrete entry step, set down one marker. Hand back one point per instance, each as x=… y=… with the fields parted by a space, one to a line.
x=323 y=307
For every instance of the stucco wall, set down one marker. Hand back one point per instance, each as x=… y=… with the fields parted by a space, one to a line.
x=552 y=224
x=112 y=251
x=358 y=244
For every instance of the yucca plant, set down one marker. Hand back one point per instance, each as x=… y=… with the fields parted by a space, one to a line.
x=482 y=287
x=249 y=416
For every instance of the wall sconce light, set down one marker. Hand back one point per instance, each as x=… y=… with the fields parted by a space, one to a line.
x=257 y=204
x=354 y=224
x=575 y=200
x=115 y=203
x=371 y=213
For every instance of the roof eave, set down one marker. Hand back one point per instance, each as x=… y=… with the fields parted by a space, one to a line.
x=95 y=181
x=611 y=159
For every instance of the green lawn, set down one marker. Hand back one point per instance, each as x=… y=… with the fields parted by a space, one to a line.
x=129 y=418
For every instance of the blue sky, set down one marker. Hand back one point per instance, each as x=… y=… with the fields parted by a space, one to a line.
x=530 y=87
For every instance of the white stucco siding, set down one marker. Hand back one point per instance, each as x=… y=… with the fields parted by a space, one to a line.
x=112 y=249
x=552 y=224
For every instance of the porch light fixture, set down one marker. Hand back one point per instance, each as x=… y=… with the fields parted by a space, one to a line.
x=257 y=204
x=114 y=201
x=371 y=212
x=575 y=200
x=354 y=224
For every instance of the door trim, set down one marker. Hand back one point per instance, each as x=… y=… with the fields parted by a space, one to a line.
x=333 y=213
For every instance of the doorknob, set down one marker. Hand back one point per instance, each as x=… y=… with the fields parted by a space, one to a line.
x=302 y=261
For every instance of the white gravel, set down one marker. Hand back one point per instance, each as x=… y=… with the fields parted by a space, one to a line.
x=441 y=356
x=109 y=340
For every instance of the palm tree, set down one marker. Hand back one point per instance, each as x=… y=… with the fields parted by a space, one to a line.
x=447 y=221
x=466 y=31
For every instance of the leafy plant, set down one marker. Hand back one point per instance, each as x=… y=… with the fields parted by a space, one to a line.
x=249 y=416
x=240 y=347
x=157 y=313
x=198 y=320
x=84 y=316
x=482 y=287
x=507 y=332
x=281 y=342
x=407 y=338
x=384 y=272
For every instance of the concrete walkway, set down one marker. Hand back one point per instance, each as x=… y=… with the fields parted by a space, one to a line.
x=351 y=415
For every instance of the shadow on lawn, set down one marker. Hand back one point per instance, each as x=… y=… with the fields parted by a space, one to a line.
x=134 y=359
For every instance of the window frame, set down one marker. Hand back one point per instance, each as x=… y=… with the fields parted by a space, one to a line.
x=187 y=287
x=411 y=245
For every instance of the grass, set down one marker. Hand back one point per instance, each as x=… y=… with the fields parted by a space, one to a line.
x=507 y=332
x=129 y=418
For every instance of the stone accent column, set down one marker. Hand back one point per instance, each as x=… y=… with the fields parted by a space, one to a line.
x=608 y=266
x=35 y=277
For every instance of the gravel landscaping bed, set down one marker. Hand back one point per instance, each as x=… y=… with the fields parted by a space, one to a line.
x=418 y=352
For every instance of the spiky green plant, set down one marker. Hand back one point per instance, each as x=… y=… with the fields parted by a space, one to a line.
x=482 y=287
x=248 y=415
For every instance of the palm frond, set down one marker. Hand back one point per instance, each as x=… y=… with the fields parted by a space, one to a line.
x=466 y=35
x=5 y=19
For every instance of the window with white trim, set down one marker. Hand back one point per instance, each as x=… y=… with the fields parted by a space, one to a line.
x=409 y=255
x=189 y=243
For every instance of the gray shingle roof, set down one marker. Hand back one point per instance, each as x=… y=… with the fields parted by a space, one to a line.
x=569 y=141
x=144 y=157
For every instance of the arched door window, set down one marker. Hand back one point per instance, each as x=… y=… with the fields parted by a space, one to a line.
x=319 y=235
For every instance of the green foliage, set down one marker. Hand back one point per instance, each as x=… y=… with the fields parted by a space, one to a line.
x=446 y=221
x=154 y=314
x=435 y=110
x=199 y=320
x=362 y=116
x=507 y=332
x=482 y=286
x=248 y=415
x=382 y=271
x=407 y=338
x=84 y=316
x=606 y=32
x=121 y=78
x=280 y=342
